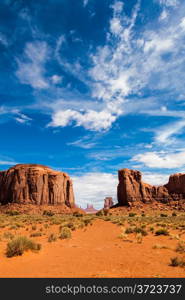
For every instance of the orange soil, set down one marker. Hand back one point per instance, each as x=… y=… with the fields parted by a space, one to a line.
x=95 y=251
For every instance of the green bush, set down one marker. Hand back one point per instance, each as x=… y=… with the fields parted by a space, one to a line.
x=174 y=214
x=13 y=213
x=177 y=262
x=152 y=229
x=71 y=226
x=48 y=213
x=35 y=234
x=140 y=230
x=52 y=238
x=77 y=214
x=180 y=247
x=8 y=235
x=100 y=213
x=87 y=222
x=65 y=233
x=162 y=231
x=129 y=230
x=105 y=211
x=20 y=244
x=131 y=214
x=163 y=215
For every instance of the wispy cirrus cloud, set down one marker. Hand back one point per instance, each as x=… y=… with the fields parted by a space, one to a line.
x=165 y=134
x=169 y=3
x=31 y=67
x=161 y=160
x=15 y=114
x=3 y=40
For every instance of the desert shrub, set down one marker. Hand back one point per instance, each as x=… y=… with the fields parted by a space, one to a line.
x=13 y=227
x=105 y=211
x=46 y=226
x=71 y=226
x=8 y=235
x=180 y=247
x=100 y=213
x=174 y=214
x=129 y=230
x=162 y=231
x=159 y=246
x=48 y=213
x=174 y=237
x=131 y=214
x=143 y=226
x=140 y=230
x=55 y=222
x=34 y=227
x=77 y=214
x=81 y=225
x=52 y=238
x=65 y=233
x=151 y=229
x=20 y=244
x=139 y=237
x=87 y=222
x=35 y=234
x=143 y=215
x=13 y=213
x=163 y=225
x=177 y=262
x=163 y=215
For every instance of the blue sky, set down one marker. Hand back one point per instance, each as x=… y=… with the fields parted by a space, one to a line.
x=92 y=86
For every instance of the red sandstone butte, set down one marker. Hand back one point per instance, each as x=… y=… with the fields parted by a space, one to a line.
x=108 y=202
x=132 y=190
x=35 y=184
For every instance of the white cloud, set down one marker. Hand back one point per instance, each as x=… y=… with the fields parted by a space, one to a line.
x=3 y=39
x=7 y=162
x=85 y=2
x=164 y=15
x=161 y=160
x=164 y=134
x=115 y=26
x=22 y=118
x=117 y=7
x=87 y=142
x=92 y=188
x=31 y=68
x=90 y=119
x=182 y=24
x=117 y=70
x=172 y=3
x=155 y=178
x=16 y=114
x=56 y=79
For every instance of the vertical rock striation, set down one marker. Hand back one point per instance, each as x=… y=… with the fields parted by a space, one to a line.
x=132 y=190
x=35 y=184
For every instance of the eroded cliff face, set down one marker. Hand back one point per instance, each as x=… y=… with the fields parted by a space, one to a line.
x=132 y=190
x=35 y=184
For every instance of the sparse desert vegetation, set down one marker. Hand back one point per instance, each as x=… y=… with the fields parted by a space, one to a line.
x=132 y=232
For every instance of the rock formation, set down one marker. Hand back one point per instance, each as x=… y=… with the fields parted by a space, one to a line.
x=132 y=190
x=108 y=202
x=90 y=209
x=35 y=184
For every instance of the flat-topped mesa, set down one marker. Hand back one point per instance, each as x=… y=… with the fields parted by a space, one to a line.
x=132 y=190
x=35 y=184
